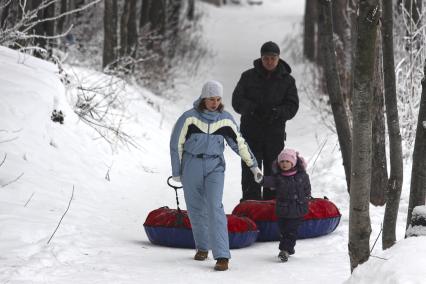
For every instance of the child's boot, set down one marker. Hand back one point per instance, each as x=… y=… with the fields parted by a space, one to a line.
x=283 y=255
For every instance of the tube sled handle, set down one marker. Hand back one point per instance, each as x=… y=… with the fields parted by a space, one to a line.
x=175 y=188
x=171 y=185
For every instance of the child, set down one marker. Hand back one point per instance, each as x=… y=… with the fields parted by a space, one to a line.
x=293 y=189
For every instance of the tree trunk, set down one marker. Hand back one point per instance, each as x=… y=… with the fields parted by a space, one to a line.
x=191 y=10
x=128 y=29
x=4 y=13
x=44 y=28
x=379 y=174
x=339 y=19
x=10 y=16
x=132 y=30
x=319 y=60
x=395 y=145
x=110 y=33
x=123 y=34
x=157 y=16
x=309 y=35
x=351 y=46
x=173 y=24
x=359 y=216
x=333 y=85
x=62 y=20
x=146 y=6
x=418 y=172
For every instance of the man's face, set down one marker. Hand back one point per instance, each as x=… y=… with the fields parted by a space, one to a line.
x=270 y=61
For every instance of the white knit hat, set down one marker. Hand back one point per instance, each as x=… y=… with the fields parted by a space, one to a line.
x=211 y=89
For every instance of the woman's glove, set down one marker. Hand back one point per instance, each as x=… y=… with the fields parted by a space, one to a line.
x=258 y=176
x=176 y=179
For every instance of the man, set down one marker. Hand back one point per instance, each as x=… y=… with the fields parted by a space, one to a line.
x=266 y=97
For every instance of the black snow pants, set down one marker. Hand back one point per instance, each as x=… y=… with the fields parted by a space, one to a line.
x=266 y=150
x=288 y=233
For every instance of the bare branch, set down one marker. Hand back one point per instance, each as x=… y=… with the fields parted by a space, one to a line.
x=5 y=4
x=12 y=181
x=29 y=199
x=29 y=36
x=63 y=215
x=9 y=140
x=4 y=159
x=41 y=7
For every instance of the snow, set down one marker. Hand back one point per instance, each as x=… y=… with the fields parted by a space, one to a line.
x=101 y=238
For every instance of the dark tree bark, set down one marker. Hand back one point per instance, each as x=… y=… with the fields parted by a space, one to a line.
x=146 y=6
x=319 y=60
x=191 y=10
x=128 y=28
x=44 y=28
x=157 y=16
x=173 y=23
x=61 y=21
x=418 y=172
x=379 y=171
x=359 y=216
x=132 y=29
x=4 y=13
x=395 y=145
x=333 y=85
x=123 y=28
x=339 y=19
x=110 y=33
x=309 y=34
x=351 y=48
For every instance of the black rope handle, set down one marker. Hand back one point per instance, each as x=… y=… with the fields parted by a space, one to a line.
x=175 y=188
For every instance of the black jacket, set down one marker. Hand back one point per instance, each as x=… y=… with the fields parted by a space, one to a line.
x=265 y=100
x=293 y=192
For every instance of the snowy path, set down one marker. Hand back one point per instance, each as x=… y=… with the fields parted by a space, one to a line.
x=101 y=239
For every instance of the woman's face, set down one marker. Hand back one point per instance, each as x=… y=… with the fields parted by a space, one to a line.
x=212 y=103
x=285 y=165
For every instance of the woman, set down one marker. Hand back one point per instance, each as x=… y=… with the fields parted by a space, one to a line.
x=196 y=149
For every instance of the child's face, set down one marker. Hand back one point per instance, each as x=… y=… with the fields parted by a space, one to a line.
x=285 y=165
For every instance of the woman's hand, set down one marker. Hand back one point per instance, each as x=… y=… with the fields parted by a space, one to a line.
x=176 y=179
x=257 y=173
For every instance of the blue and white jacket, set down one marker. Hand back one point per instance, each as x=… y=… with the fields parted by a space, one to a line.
x=203 y=133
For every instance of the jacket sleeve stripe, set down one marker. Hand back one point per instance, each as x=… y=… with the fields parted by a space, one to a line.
x=239 y=145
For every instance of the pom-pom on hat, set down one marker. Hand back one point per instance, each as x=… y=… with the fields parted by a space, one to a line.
x=269 y=48
x=210 y=89
x=288 y=155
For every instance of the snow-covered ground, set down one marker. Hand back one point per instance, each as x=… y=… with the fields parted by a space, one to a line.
x=101 y=238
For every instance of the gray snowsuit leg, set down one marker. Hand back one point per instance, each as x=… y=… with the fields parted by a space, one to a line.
x=203 y=180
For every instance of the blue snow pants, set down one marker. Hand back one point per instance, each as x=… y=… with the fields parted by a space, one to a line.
x=202 y=180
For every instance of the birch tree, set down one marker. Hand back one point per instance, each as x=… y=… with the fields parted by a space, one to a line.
x=333 y=85
x=418 y=172
x=110 y=33
x=309 y=33
x=359 y=216
x=395 y=145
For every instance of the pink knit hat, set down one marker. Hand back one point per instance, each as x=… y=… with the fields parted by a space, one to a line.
x=288 y=155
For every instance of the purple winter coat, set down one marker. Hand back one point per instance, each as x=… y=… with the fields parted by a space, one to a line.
x=293 y=192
